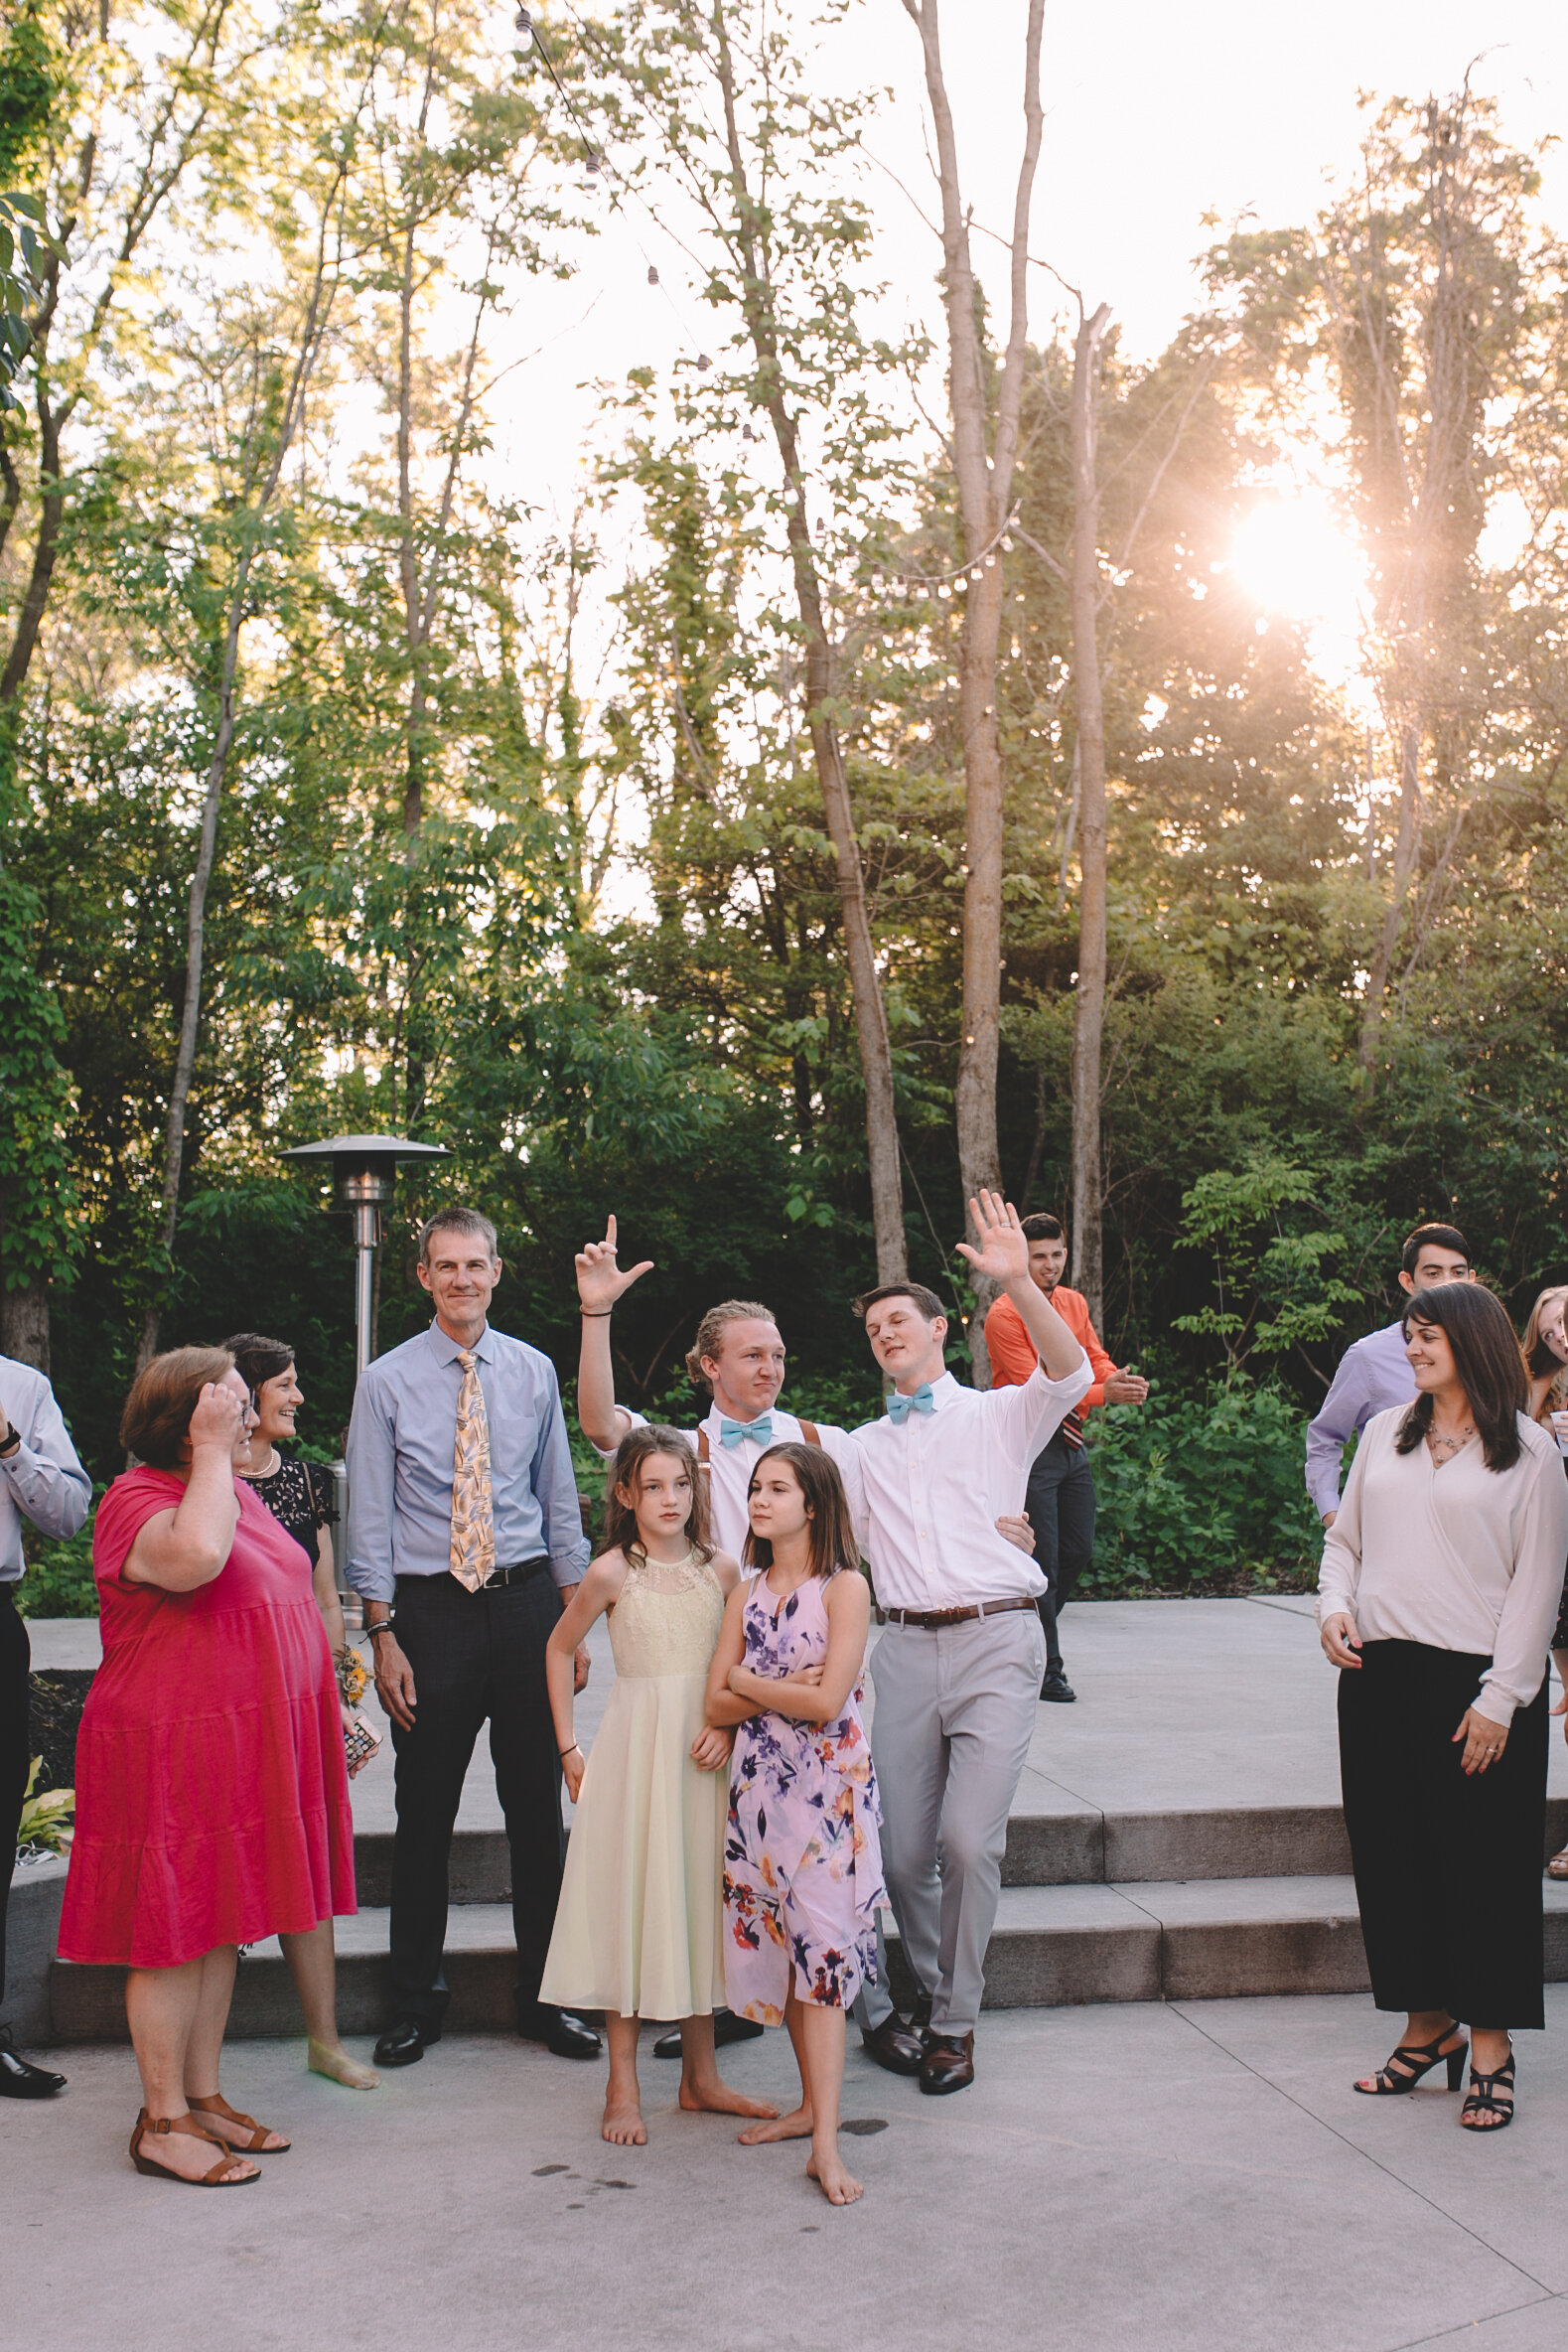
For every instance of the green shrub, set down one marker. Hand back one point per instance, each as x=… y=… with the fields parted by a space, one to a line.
x=1197 y=1490
x=59 y=1581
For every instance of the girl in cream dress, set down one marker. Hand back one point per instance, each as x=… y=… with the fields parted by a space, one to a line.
x=639 y=1927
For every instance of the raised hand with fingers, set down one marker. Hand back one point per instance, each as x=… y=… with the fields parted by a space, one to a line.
x=600 y=1279
x=1003 y=1255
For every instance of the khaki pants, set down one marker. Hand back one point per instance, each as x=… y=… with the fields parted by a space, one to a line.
x=954 y=1715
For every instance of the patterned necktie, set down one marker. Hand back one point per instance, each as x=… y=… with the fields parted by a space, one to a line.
x=473 y=1505
x=901 y=1408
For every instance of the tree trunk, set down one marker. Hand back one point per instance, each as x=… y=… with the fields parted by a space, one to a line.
x=195 y=947
x=984 y=481
x=1407 y=844
x=871 y=1024
x=1090 y=759
x=23 y=1323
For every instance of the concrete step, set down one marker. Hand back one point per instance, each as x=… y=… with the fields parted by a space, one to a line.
x=1047 y=1846
x=1139 y=1939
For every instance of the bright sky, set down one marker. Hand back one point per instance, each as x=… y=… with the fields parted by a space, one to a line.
x=1156 y=114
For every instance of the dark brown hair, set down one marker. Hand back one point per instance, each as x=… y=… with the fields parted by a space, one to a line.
x=931 y=1306
x=830 y=1531
x=259 y=1360
x=1042 y=1227
x=1432 y=1236
x=710 y=1334
x=165 y=1393
x=1489 y=1363
x=626 y=1471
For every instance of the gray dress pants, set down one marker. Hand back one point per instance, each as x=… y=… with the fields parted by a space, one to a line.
x=954 y=1715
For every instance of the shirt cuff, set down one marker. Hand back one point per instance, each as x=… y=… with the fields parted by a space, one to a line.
x=1495 y=1703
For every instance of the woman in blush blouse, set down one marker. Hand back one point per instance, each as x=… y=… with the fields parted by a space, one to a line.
x=1436 y=1598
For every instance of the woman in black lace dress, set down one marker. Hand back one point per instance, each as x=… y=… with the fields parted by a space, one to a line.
x=299 y=1495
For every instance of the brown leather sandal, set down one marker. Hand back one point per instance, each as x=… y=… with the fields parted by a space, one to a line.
x=1558 y=1867
x=222 y=2174
x=227 y=2123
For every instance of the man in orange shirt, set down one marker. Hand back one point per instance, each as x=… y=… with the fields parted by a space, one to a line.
x=1061 y=1503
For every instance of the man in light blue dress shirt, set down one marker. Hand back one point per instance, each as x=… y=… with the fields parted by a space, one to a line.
x=1375 y=1373
x=42 y=1482
x=449 y=1652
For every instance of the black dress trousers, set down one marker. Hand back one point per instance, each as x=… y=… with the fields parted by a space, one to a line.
x=15 y=1660
x=1061 y=1505
x=1448 y=1868
x=476 y=1656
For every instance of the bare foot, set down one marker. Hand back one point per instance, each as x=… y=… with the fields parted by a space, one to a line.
x=334 y=2062
x=795 y=2125
x=622 y=2124
x=714 y=2096
x=837 y=2186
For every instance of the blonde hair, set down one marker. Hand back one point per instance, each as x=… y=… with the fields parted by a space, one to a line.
x=1540 y=1358
x=711 y=1330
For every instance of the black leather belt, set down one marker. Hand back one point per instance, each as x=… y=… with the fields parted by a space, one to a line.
x=518 y=1574
x=932 y=1620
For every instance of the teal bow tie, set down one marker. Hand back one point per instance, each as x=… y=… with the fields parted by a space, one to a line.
x=760 y=1431
x=901 y=1408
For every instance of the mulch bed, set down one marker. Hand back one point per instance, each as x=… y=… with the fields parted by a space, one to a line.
x=57 y=1699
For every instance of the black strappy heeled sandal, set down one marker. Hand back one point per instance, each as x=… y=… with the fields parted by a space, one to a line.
x=1489 y=2095
x=1420 y=2058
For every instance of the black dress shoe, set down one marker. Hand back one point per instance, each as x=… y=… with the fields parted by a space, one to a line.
x=19 y=2078
x=567 y=2036
x=948 y=2063
x=1056 y=1686
x=894 y=2044
x=405 y=2040
x=727 y=2028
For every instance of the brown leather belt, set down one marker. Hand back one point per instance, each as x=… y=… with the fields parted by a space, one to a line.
x=932 y=1620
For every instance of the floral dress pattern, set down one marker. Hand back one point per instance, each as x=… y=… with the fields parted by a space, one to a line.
x=803 y=1861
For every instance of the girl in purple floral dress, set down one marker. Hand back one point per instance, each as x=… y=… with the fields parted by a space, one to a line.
x=803 y=1864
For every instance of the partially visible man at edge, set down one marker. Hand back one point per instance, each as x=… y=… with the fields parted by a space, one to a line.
x=1375 y=1372
x=1061 y=1499
x=40 y=1481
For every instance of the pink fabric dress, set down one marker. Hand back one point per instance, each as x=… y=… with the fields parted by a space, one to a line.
x=212 y=1791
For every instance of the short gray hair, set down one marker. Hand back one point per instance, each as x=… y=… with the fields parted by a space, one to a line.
x=456 y=1220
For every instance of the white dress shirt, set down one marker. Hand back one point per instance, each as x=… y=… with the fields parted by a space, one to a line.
x=42 y=1481
x=730 y=1467
x=1455 y=1556
x=935 y=1484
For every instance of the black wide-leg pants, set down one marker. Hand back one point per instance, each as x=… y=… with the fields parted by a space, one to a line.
x=15 y=1660
x=1448 y=1868
x=475 y=1656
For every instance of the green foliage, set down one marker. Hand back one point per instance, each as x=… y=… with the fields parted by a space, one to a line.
x=46 y=1824
x=1272 y=1290
x=1193 y=1488
x=59 y=1581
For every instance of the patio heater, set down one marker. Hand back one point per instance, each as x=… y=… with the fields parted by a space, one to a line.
x=363 y=1172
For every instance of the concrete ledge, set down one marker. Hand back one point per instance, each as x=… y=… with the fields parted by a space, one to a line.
x=32 y=1932
x=479 y=1869
x=1236 y=1842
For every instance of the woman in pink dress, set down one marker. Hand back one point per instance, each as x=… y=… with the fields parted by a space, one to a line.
x=211 y=1790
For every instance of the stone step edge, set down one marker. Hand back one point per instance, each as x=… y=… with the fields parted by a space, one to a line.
x=1217 y=1948
x=1087 y=1848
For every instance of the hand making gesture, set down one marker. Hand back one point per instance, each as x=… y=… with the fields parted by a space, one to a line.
x=600 y=1282
x=1003 y=1258
x=1003 y=1255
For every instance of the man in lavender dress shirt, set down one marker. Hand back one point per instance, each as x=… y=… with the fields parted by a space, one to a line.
x=1375 y=1372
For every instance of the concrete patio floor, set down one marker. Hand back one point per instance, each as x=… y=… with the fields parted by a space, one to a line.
x=1180 y=2178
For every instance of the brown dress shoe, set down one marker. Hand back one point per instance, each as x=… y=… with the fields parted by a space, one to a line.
x=948 y=2063
x=895 y=2045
